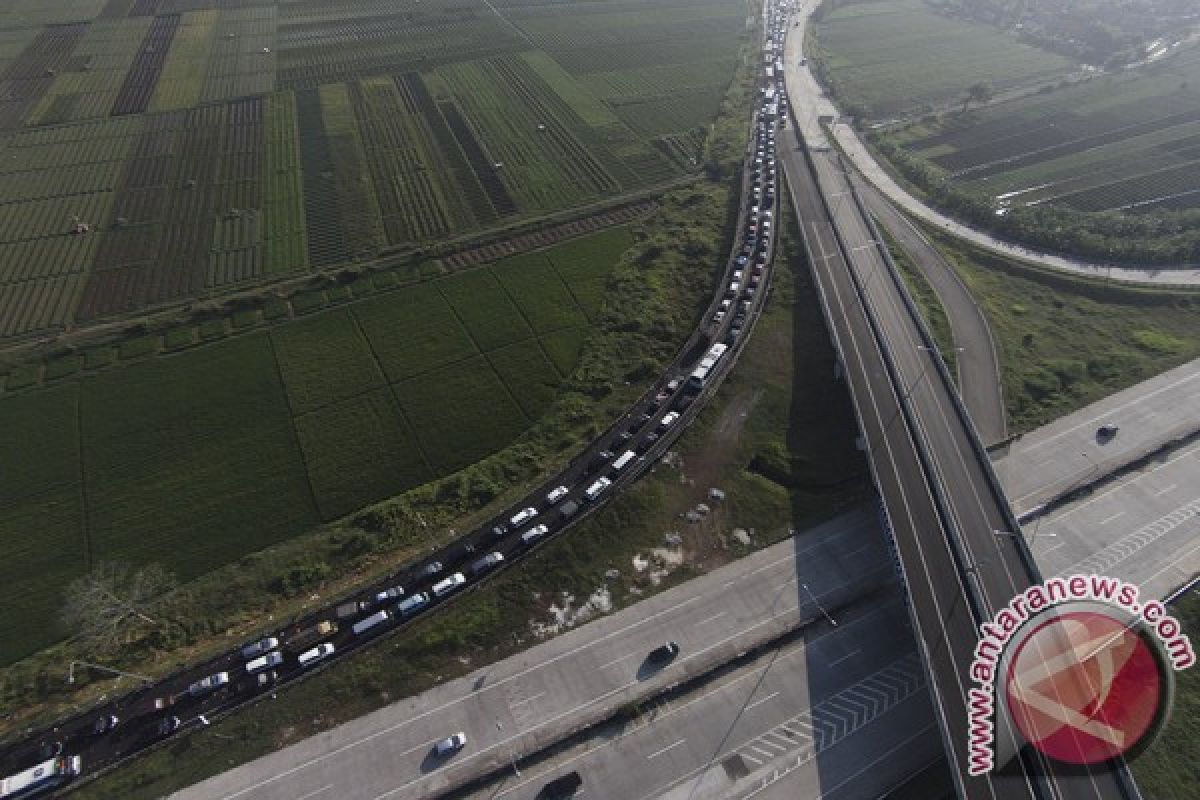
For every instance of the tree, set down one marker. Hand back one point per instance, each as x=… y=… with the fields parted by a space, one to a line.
x=111 y=605
x=977 y=93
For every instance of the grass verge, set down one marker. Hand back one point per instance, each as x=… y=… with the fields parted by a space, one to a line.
x=1065 y=342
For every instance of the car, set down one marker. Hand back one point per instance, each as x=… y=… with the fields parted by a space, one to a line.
x=448 y=584
x=664 y=653
x=412 y=605
x=487 y=562
x=648 y=442
x=561 y=788
x=105 y=723
x=523 y=516
x=741 y=261
x=209 y=684
x=168 y=725
x=431 y=569
x=668 y=420
x=258 y=648
x=388 y=595
x=556 y=494
x=499 y=529
x=450 y=745
x=534 y=533
x=1107 y=431
x=263 y=680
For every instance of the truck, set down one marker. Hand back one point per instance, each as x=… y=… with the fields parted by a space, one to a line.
x=351 y=609
x=41 y=777
x=312 y=634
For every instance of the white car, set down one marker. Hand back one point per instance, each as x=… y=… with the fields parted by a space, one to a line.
x=556 y=494
x=534 y=533
x=523 y=516
x=389 y=594
x=451 y=744
x=448 y=585
x=323 y=650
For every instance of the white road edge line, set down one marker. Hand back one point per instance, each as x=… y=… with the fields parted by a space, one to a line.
x=658 y=753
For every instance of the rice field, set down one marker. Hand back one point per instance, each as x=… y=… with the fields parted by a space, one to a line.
x=197 y=447
x=157 y=150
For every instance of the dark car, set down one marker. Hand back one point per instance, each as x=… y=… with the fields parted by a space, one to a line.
x=561 y=787
x=105 y=724
x=500 y=529
x=1107 y=431
x=168 y=725
x=663 y=654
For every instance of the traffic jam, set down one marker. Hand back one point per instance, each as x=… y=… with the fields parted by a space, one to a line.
x=193 y=696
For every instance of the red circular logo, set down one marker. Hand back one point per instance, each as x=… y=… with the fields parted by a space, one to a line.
x=1083 y=688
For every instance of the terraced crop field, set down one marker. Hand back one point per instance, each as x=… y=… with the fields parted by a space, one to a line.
x=204 y=453
x=1128 y=142
x=153 y=151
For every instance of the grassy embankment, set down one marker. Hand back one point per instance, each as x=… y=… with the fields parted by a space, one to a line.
x=779 y=438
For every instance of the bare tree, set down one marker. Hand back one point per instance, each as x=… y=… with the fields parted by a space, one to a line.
x=110 y=605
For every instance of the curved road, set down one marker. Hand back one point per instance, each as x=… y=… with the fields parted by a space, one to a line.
x=805 y=93
x=978 y=365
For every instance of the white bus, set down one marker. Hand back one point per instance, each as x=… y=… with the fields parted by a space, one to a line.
x=700 y=375
x=44 y=776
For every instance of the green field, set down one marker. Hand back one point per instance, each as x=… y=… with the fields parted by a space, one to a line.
x=163 y=153
x=1113 y=143
x=893 y=57
x=194 y=457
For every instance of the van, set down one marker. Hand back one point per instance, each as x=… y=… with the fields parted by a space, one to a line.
x=597 y=488
x=412 y=605
x=364 y=625
x=448 y=585
x=323 y=650
x=622 y=462
x=533 y=534
x=273 y=659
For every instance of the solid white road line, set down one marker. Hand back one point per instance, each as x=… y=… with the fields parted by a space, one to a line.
x=761 y=701
x=1110 y=518
x=658 y=753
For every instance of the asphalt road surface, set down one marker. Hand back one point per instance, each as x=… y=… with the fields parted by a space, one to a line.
x=945 y=509
x=802 y=715
x=526 y=702
x=1069 y=453
x=807 y=94
x=978 y=366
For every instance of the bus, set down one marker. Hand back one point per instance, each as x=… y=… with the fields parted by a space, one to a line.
x=700 y=375
x=46 y=775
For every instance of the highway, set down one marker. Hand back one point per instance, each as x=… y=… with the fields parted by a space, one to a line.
x=945 y=506
x=521 y=705
x=976 y=359
x=630 y=446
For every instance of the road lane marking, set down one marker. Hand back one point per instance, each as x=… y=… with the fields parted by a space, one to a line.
x=1111 y=517
x=322 y=790
x=526 y=700
x=1166 y=489
x=761 y=701
x=616 y=660
x=658 y=753
x=718 y=615
x=837 y=661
